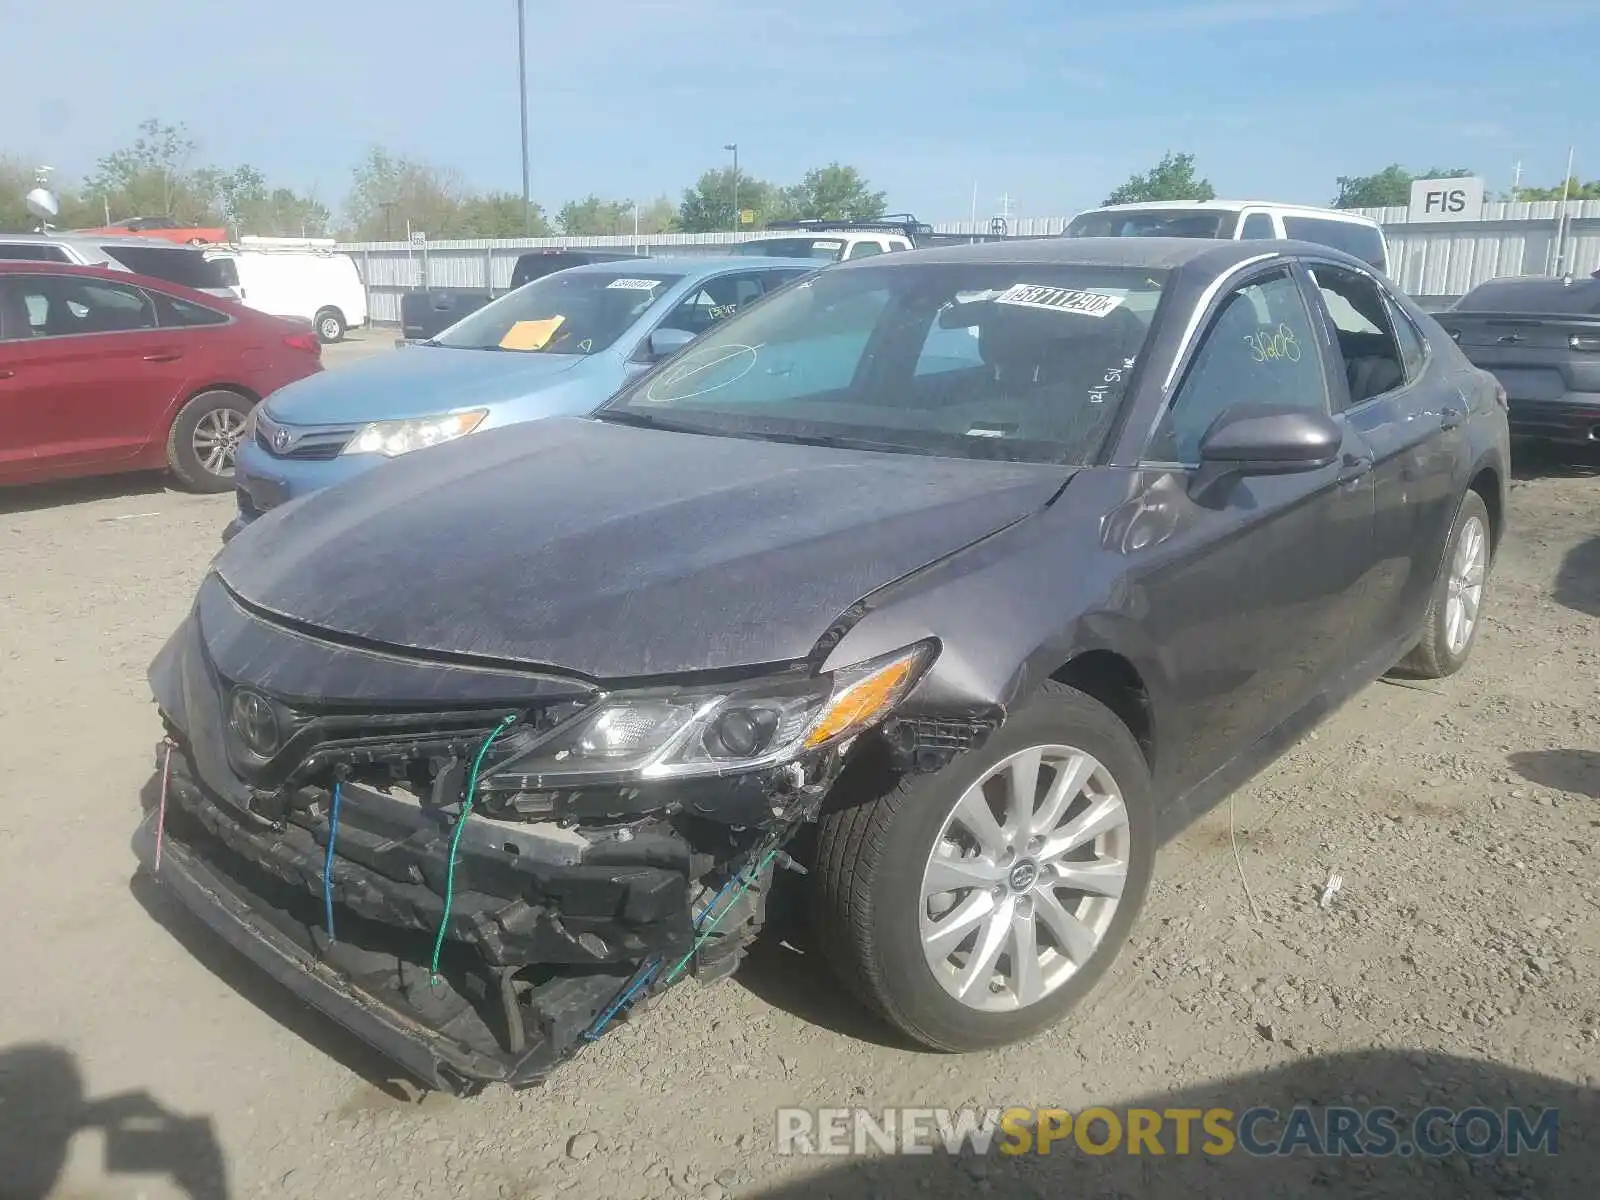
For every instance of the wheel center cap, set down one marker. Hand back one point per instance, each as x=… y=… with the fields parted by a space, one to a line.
x=1023 y=876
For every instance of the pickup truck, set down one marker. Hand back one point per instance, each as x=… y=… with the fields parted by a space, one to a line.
x=428 y=312
x=836 y=241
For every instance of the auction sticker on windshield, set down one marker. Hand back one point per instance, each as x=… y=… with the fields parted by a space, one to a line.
x=1067 y=300
x=635 y=285
x=531 y=335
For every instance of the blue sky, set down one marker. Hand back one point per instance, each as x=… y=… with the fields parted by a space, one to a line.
x=1053 y=103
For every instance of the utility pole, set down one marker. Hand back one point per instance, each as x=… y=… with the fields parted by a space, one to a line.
x=522 y=109
x=1561 y=217
x=734 y=146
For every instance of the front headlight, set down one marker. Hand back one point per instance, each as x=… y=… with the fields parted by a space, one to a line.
x=390 y=438
x=676 y=733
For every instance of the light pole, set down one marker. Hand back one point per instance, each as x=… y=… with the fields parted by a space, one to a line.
x=522 y=93
x=734 y=146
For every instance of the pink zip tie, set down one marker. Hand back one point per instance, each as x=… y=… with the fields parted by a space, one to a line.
x=161 y=805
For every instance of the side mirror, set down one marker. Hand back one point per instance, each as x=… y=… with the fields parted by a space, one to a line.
x=1265 y=440
x=664 y=342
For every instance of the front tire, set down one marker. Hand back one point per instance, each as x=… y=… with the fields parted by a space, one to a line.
x=974 y=907
x=205 y=438
x=330 y=326
x=1450 y=628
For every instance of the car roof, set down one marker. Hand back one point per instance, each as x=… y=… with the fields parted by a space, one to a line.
x=75 y=237
x=691 y=265
x=1205 y=255
x=1332 y=214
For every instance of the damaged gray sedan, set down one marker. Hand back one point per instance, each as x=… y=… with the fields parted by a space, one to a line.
x=956 y=579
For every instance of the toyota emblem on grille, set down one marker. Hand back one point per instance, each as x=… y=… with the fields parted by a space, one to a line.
x=281 y=440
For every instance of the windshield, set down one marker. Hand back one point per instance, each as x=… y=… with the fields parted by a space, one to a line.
x=570 y=312
x=824 y=249
x=1154 y=222
x=970 y=360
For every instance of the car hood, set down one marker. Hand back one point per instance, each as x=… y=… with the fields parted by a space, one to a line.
x=416 y=381
x=613 y=551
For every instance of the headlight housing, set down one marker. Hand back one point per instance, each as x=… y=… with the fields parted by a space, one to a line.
x=391 y=438
x=679 y=733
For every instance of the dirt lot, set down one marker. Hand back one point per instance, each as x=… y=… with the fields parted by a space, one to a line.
x=1459 y=964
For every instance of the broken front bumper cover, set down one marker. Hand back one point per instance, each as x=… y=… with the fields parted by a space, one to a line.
x=434 y=1058
x=546 y=932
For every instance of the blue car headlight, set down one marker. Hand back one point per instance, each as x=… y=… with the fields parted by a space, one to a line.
x=392 y=438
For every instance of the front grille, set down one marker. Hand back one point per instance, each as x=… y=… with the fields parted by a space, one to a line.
x=316 y=445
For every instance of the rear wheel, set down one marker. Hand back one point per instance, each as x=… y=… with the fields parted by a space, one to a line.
x=1450 y=628
x=205 y=438
x=330 y=325
x=973 y=907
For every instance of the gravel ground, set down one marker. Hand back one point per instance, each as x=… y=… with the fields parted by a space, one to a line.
x=1459 y=964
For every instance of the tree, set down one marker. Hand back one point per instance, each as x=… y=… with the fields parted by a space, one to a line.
x=593 y=216
x=499 y=215
x=659 y=216
x=153 y=177
x=708 y=206
x=243 y=200
x=1389 y=188
x=833 y=193
x=1172 y=178
x=390 y=194
x=1574 y=191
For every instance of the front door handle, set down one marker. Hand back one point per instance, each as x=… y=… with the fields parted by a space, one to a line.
x=5 y=374
x=164 y=356
x=1355 y=467
x=1451 y=417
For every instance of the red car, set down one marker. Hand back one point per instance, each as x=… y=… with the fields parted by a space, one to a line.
x=107 y=371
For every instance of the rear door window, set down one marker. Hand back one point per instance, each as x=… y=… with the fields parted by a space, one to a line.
x=1258 y=225
x=175 y=264
x=180 y=314
x=1355 y=239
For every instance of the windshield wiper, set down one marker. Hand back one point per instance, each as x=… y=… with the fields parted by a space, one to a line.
x=836 y=442
x=625 y=416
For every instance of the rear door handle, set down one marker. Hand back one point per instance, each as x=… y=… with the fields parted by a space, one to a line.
x=1451 y=418
x=164 y=356
x=1355 y=467
x=4 y=374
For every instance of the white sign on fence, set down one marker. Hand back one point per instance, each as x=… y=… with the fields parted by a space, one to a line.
x=418 y=236
x=1446 y=200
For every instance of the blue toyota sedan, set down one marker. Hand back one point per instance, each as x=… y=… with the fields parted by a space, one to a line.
x=559 y=346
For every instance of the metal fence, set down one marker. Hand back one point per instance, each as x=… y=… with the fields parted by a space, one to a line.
x=1435 y=263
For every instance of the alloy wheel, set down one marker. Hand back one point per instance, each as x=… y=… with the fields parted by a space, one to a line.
x=1024 y=878
x=216 y=440
x=1465 y=588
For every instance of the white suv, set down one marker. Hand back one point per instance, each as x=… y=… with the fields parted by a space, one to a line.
x=185 y=265
x=1232 y=220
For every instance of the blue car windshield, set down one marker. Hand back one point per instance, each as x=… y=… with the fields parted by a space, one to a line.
x=570 y=312
x=1019 y=361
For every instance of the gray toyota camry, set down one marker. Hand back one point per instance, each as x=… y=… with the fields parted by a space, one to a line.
x=954 y=580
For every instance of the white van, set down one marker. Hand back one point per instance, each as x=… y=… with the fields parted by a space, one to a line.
x=318 y=285
x=1233 y=220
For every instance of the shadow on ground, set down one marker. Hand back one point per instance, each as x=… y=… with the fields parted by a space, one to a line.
x=1408 y=1082
x=1578 y=578
x=32 y=497
x=43 y=1107
x=1537 y=460
x=1575 y=771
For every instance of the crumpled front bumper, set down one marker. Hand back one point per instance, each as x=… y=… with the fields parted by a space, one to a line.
x=547 y=927
x=433 y=1058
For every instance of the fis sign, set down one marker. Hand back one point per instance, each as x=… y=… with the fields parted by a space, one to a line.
x=1445 y=200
